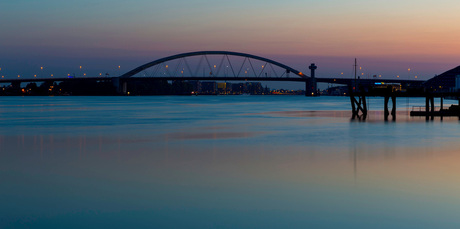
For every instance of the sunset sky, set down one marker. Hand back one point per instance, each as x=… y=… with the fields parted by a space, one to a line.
x=387 y=37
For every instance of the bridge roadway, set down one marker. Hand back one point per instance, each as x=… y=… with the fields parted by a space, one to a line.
x=341 y=81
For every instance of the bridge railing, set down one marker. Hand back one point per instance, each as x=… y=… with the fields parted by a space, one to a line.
x=422 y=108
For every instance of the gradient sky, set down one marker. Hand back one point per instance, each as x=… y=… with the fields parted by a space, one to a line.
x=387 y=37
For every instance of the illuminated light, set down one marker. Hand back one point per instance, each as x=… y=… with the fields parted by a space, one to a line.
x=100 y=74
x=23 y=90
x=41 y=68
x=378 y=83
x=300 y=73
x=341 y=73
x=52 y=75
x=128 y=92
x=68 y=74
x=360 y=68
x=380 y=75
x=80 y=67
x=416 y=77
x=408 y=69
x=35 y=75
x=263 y=66
x=119 y=66
x=3 y=76
x=397 y=76
x=19 y=76
x=312 y=93
x=167 y=66
x=182 y=72
x=84 y=74
x=215 y=66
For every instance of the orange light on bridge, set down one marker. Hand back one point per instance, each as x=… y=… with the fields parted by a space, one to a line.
x=41 y=68
x=19 y=76
x=35 y=75
x=300 y=73
x=52 y=75
x=416 y=77
x=397 y=76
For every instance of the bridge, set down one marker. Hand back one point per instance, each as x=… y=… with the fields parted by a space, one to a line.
x=216 y=66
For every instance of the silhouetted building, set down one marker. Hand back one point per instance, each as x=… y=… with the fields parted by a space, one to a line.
x=447 y=81
x=208 y=88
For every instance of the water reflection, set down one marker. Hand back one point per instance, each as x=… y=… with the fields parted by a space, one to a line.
x=243 y=168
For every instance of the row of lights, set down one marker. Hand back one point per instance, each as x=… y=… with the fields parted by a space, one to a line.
x=41 y=68
x=408 y=70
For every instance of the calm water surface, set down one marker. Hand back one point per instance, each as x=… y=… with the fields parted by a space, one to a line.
x=223 y=162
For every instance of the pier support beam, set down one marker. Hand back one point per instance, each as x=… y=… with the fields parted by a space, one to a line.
x=358 y=104
x=393 y=108
x=429 y=107
x=390 y=94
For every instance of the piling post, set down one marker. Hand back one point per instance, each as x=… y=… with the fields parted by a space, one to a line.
x=427 y=107
x=386 y=113
x=393 y=109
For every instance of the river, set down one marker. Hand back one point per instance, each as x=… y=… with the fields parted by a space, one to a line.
x=224 y=162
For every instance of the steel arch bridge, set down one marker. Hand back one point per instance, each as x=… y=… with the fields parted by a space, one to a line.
x=226 y=68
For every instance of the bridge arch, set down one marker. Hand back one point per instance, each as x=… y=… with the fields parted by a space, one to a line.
x=203 y=53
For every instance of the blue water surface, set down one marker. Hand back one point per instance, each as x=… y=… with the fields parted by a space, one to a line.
x=224 y=162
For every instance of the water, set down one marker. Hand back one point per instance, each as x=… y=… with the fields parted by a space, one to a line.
x=223 y=162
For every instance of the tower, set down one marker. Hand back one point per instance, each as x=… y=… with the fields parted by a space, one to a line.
x=311 y=88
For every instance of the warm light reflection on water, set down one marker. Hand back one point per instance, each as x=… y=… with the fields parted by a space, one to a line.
x=225 y=162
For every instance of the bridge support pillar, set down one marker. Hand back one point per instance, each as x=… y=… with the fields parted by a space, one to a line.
x=311 y=87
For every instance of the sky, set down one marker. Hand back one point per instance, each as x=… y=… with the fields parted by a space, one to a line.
x=388 y=37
